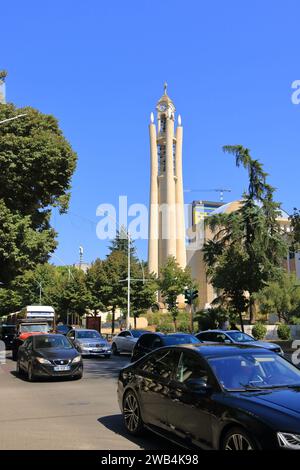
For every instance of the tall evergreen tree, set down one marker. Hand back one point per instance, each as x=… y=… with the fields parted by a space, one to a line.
x=249 y=239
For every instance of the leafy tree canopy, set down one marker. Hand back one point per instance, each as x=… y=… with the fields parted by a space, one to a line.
x=247 y=249
x=36 y=166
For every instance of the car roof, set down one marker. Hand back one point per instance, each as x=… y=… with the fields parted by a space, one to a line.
x=217 y=349
x=46 y=335
x=85 y=329
x=219 y=331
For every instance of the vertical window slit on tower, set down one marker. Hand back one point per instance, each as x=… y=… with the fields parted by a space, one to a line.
x=163 y=124
x=162 y=158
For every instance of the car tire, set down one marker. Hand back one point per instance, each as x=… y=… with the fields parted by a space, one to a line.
x=238 y=439
x=78 y=377
x=132 y=414
x=115 y=349
x=19 y=370
x=30 y=373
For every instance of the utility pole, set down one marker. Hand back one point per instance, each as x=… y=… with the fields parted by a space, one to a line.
x=128 y=282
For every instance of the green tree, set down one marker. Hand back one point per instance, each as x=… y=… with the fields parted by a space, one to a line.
x=143 y=293
x=62 y=287
x=173 y=281
x=97 y=282
x=36 y=164
x=295 y=232
x=281 y=297
x=247 y=248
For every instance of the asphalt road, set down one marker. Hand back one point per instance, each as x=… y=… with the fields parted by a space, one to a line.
x=65 y=414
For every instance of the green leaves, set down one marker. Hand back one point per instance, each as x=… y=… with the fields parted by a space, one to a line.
x=247 y=247
x=36 y=166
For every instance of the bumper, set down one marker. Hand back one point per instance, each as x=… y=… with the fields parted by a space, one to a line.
x=91 y=352
x=45 y=370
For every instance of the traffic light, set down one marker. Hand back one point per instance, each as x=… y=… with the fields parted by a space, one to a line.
x=190 y=295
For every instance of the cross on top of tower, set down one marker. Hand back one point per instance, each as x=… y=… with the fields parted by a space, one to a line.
x=165 y=88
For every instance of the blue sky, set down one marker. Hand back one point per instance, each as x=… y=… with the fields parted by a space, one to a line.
x=99 y=67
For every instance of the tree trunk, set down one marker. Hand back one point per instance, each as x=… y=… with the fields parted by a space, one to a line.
x=175 y=324
x=134 y=319
x=252 y=310
x=113 y=321
x=241 y=321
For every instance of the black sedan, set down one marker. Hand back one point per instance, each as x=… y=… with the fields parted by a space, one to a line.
x=49 y=355
x=150 y=341
x=214 y=397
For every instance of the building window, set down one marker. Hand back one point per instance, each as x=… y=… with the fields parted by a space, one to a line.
x=174 y=159
x=162 y=158
x=163 y=124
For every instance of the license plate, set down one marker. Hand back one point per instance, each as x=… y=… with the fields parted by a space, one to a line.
x=61 y=368
x=96 y=350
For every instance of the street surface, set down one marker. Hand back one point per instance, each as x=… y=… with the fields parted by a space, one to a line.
x=65 y=414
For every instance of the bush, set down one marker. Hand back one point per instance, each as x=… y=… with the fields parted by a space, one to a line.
x=211 y=318
x=283 y=332
x=259 y=331
x=184 y=327
x=165 y=328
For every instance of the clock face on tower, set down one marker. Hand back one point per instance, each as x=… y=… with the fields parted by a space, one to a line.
x=162 y=107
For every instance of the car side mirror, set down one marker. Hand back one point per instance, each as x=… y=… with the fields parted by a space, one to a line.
x=227 y=341
x=199 y=385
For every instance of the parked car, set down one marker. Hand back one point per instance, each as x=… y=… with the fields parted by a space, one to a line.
x=63 y=329
x=236 y=337
x=213 y=396
x=49 y=355
x=90 y=342
x=150 y=341
x=125 y=341
x=7 y=334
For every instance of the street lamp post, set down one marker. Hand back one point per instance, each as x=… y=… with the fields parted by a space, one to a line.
x=13 y=118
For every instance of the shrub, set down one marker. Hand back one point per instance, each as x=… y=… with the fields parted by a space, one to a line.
x=184 y=326
x=211 y=318
x=259 y=331
x=283 y=332
x=165 y=328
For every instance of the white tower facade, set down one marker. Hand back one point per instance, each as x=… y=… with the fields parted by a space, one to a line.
x=166 y=212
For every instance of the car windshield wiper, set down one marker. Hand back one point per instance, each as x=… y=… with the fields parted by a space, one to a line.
x=253 y=387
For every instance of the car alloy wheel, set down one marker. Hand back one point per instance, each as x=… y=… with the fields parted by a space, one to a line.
x=30 y=373
x=115 y=349
x=18 y=369
x=237 y=439
x=131 y=414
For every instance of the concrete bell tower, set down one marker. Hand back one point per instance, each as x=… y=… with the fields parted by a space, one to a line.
x=166 y=212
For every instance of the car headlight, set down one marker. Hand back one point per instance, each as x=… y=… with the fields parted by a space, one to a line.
x=288 y=440
x=41 y=360
x=76 y=359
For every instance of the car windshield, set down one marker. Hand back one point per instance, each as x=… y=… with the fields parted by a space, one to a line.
x=47 y=342
x=63 y=328
x=180 y=339
x=254 y=371
x=34 y=328
x=138 y=333
x=88 y=334
x=239 y=337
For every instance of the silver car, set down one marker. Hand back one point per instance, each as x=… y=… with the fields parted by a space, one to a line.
x=125 y=341
x=90 y=342
x=236 y=337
